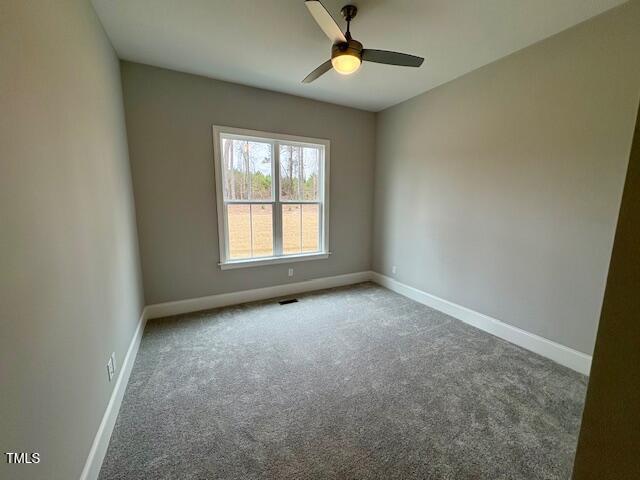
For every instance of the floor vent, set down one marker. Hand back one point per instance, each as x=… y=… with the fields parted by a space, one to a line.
x=287 y=302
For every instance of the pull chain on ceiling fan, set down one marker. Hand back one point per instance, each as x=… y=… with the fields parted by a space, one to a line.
x=346 y=53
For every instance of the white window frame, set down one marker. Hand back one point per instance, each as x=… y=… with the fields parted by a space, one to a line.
x=274 y=138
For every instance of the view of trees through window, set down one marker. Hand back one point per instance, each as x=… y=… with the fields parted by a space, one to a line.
x=247 y=170
x=299 y=169
x=247 y=167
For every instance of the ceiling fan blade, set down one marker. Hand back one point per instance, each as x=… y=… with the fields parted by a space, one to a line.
x=391 y=58
x=318 y=72
x=325 y=21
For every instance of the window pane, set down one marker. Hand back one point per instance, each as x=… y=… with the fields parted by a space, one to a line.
x=291 y=229
x=261 y=178
x=239 y=222
x=310 y=173
x=262 y=231
x=299 y=172
x=246 y=170
x=310 y=228
x=290 y=156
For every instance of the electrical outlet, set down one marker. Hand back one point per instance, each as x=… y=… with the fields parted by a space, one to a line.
x=394 y=270
x=291 y=272
x=111 y=366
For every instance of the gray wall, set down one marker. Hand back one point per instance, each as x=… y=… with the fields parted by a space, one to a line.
x=610 y=434
x=70 y=290
x=169 y=118
x=499 y=191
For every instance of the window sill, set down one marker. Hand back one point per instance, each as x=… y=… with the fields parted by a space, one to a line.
x=257 y=262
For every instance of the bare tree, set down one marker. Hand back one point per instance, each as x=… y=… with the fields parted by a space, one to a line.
x=228 y=163
x=301 y=180
x=247 y=170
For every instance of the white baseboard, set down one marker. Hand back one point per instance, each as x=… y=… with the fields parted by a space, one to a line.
x=101 y=441
x=578 y=361
x=159 y=310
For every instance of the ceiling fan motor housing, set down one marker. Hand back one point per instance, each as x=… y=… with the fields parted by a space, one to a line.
x=351 y=47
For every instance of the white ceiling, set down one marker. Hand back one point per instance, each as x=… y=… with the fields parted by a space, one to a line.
x=274 y=44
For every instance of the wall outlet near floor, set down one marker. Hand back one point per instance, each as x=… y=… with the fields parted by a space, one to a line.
x=394 y=270
x=290 y=272
x=111 y=366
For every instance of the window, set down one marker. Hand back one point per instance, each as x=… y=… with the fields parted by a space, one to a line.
x=272 y=194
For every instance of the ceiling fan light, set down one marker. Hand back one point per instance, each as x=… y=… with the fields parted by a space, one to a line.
x=345 y=64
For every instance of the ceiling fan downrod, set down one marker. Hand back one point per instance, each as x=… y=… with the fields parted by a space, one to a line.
x=349 y=12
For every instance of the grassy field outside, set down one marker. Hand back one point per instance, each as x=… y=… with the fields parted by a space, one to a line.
x=251 y=230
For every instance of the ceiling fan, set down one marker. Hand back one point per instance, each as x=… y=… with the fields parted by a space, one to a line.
x=346 y=53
